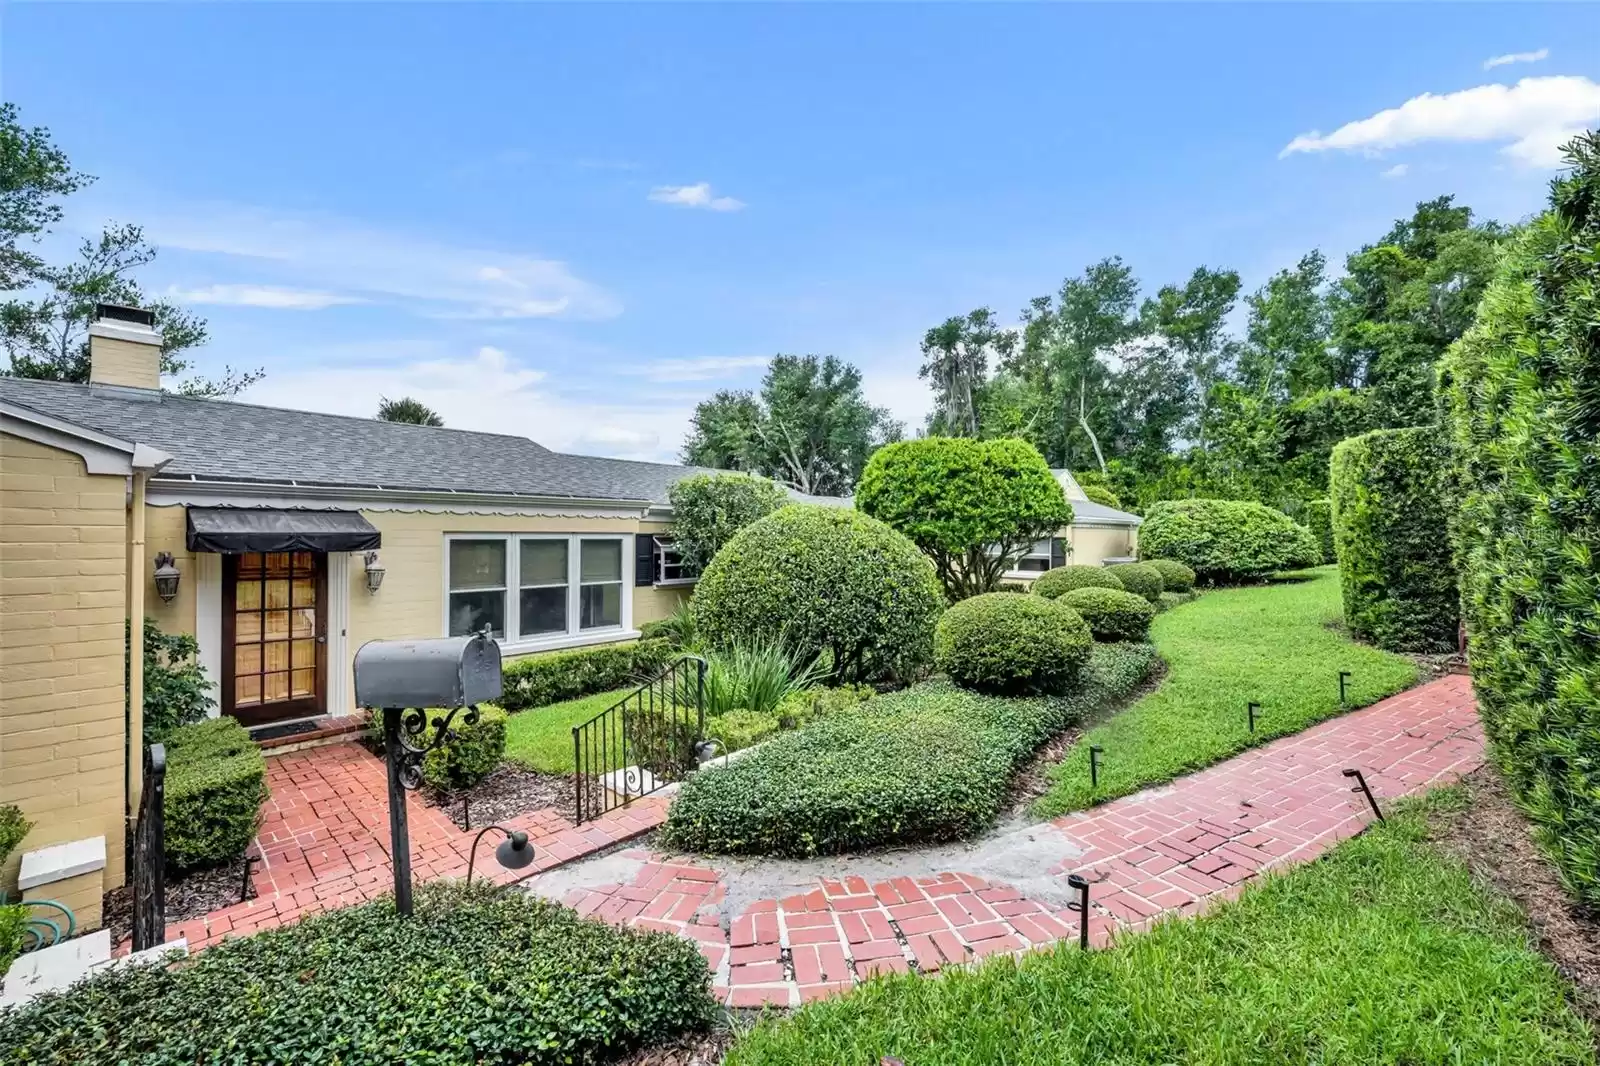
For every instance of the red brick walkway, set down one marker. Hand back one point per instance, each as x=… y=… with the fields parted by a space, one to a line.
x=324 y=842
x=1167 y=851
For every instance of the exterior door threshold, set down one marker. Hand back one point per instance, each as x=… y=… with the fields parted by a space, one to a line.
x=278 y=738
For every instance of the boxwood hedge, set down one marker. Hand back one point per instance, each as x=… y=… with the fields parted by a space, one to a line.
x=555 y=677
x=1319 y=519
x=1522 y=390
x=1226 y=541
x=1391 y=532
x=1003 y=643
x=216 y=783
x=1175 y=577
x=476 y=749
x=475 y=975
x=924 y=764
x=1141 y=579
x=1053 y=583
x=1112 y=615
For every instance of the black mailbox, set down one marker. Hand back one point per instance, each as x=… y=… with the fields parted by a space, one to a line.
x=446 y=672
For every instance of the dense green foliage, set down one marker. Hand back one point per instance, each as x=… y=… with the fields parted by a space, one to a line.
x=1523 y=398
x=13 y=933
x=1271 y=644
x=1102 y=495
x=1009 y=644
x=466 y=758
x=1225 y=541
x=408 y=410
x=1175 y=576
x=923 y=764
x=1112 y=615
x=475 y=975
x=755 y=677
x=1382 y=952
x=13 y=829
x=216 y=783
x=677 y=628
x=1061 y=579
x=176 y=690
x=1391 y=513
x=540 y=680
x=1141 y=579
x=973 y=506
x=708 y=509
x=824 y=579
x=1319 y=519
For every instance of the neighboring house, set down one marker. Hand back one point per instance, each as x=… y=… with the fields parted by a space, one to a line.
x=1098 y=535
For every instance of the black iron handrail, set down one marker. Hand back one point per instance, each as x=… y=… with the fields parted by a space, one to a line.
x=645 y=741
x=149 y=854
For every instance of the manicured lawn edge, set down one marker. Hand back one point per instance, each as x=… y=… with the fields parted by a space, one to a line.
x=541 y=738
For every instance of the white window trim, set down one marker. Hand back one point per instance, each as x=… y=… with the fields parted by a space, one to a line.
x=662 y=581
x=1029 y=575
x=513 y=643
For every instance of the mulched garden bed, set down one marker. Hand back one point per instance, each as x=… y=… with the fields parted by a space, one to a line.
x=191 y=895
x=509 y=790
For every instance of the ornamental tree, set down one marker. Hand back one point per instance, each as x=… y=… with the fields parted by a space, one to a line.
x=973 y=506
x=708 y=509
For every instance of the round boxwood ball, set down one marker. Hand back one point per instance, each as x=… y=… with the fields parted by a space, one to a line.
x=1012 y=644
x=824 y=579
x=1112 y=615
x=1175 y=577
x=1141 y=579
x=1053 y=583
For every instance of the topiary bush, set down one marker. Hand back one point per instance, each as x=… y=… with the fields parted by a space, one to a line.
x=1226 y=541
x=708 y=509
x=467 y=759
x=475 y=975
x=1141 y=579
x=555 y=677
x=1102 y=495
x=1011 y=644
x=823 y=579
x=1522 y=396
x=925 y=764
x=1319 y=519
x=1112 y=615
x=216 y=783
x=1053 y=583
x=1175 y=577
x=1391 y=531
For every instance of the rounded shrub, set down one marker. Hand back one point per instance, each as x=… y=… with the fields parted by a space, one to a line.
x=824 y=579
x=1141 y=579
x=475 y=750
x=1102 y=495
x=1112 y=615
x=1226 y=540
x=216 y=783
x=1062 y=579
x=1175 y=577
x=1000 y=643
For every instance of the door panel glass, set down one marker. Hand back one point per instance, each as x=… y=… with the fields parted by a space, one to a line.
x=247 y=628
x=277 y=625
x=303 y=622
x=304 y=683
x=275 y=655
x=248 y=597
x=247 y=659
x=275 y=630
x=274 y=687
x=277 y=594
x=305 y=592
x=247 y=689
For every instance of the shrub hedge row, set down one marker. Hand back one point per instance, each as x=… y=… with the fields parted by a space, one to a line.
x=1226 y=541
x=1522 y=390
x=1319 y=519
x=216 y=783
x=476 y=749
x=540 y=680
x=1053 y=583
x=1112 y=615
x=1141 y=579
x=1010 y=644
x=924 y=764
x=1175 y=576
x=1391 y=532
x=473 y=976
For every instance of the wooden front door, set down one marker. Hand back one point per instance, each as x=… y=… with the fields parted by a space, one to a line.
x=274 y=634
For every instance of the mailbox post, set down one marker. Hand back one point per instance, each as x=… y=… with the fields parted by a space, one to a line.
x=415 y=683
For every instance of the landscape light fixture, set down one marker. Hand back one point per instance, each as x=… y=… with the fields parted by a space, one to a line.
x=167 y=576
x=1080 y=884
x=514 y=852
x=375 y=571
x=1251 y=710
x=1344 y=677
x=1094 y=765
x=1361 y=787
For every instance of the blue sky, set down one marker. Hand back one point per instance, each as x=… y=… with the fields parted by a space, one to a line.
x=574 y=222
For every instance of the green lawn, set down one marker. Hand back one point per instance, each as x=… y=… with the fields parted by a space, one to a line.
x=542 y=738
x=1382 y=952
x=1268 y=643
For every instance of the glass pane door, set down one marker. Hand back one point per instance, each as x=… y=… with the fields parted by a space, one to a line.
x=275 y=605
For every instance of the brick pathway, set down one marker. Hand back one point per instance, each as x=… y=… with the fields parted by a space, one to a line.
x=1167 y=851
x=324 y=842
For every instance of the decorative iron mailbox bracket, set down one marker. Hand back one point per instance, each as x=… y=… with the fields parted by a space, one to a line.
x=409 y=682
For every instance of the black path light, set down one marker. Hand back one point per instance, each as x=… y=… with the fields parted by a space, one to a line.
x=1252 y=709
x=514 y=852
x=1361 y=787
x=1344 y=677
x=1094 y=766
x=417 y=684
x=1080 y=884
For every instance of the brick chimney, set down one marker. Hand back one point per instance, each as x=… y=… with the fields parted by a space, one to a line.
x=124 y=347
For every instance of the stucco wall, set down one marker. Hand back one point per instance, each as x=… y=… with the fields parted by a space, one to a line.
x=1092 y=545
x=63 y=569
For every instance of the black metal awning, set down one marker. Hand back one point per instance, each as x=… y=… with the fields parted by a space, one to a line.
x=230 y=530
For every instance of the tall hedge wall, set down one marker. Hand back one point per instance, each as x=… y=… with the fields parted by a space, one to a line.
x=1521 y=392
x=1319 y=519
x=1391 y=532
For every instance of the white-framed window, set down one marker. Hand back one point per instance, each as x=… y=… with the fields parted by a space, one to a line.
x=670 y=568
x=1037 y=559
x=537 y=588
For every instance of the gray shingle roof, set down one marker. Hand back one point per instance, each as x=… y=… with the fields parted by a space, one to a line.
x=219 y=440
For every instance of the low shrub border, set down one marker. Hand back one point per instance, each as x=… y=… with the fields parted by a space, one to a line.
x=216 y=782
x=924 y=764
x=1227 y=541
x=476 y=975
x=1053 y=583
x=1009 y=644
x=555 y=677
x=1175 y=576
x=1141 y=579
x=1112 y=615
x=466 y=760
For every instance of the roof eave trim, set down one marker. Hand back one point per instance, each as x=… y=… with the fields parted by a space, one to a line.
x=210 y=487
x=101 y=453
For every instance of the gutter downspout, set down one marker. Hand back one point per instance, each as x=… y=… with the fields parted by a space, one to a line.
x=146 y=461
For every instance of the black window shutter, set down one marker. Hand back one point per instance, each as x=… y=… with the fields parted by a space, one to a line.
x=1058 y=552
x=644 y=558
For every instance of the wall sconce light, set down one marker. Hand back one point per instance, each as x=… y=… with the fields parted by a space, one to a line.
x=375 y=571
x=167 y=576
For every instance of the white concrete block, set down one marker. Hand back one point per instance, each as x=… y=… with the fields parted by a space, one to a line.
x=61 y=861
x=55 y=967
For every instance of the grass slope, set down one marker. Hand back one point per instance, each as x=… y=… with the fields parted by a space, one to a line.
x=1382 y=952
x=542 y=738
x=1268 y=643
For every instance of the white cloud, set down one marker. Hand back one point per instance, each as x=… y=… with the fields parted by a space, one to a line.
x=1399 y=170
x=1516 y=57
x=270 y=296
x=694 y=196
x=438 y=278
x=1537 y=115
x=703 y=368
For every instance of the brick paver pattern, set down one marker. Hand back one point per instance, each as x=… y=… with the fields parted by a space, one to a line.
x=1168 y=851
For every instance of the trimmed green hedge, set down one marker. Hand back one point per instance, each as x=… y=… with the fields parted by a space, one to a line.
x=1141 y=579
x=1102 y=495
x=476 y=749
x=13 y=934
x=1112 y=615
x=475 y=975
x=1005 y=643
x=1319 y=519
x=13 y=828
x=1522 y=392
x=555 y=677
x=925 y=764
x=1391 y=531
x=216 y=783
x=1053 y=583
x=1175 y=577
x=1226 y=541
x=823 y=579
